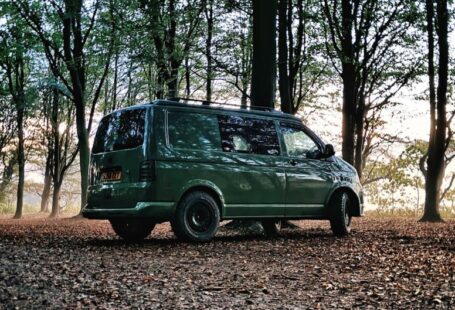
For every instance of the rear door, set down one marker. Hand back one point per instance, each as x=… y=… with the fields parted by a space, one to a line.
x=308 y=178
x=119 y=149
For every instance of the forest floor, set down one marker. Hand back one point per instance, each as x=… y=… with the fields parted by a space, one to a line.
x=385 y=263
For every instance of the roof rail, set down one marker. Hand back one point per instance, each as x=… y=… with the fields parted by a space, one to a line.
x=205 y=102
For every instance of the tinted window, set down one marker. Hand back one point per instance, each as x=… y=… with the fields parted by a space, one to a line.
x=298 y=143
x=193 y=131
x=248 y=135
x=120 y=130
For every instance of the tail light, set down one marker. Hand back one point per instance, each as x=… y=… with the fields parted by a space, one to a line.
x=147 y=171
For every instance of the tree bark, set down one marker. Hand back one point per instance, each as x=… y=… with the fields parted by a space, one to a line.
x=187 y=78
x=359 y=134
x=436 y=147
x=348 y=76
x=20 y=161
x=55 y=200
x=114 y=88
x=47 y=183
x=263 y=82
x=284 y=86
x=56 y=153
x=208 y=49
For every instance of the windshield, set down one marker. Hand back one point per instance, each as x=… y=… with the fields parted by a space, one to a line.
x=120 y=130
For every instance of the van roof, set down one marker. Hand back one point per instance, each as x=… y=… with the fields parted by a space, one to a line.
x=219 y=107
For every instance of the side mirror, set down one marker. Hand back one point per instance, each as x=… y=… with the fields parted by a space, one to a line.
x=329 y=151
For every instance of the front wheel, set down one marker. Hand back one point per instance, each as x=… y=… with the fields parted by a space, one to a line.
x=132 y=229
x=340 y=218
x=197 y=217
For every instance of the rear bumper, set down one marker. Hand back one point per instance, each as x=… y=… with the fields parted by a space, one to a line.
x=155 y=210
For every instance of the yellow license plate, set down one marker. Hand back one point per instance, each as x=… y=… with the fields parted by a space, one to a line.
x=111 y=176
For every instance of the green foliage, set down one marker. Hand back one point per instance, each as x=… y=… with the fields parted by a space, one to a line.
x=396 y=182
x=7 y=208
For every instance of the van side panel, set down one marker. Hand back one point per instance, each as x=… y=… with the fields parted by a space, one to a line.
x=251 y=185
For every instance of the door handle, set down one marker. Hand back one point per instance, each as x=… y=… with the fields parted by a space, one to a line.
x=292 y=162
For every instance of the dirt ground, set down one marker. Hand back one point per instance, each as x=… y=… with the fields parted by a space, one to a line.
x=385 y=263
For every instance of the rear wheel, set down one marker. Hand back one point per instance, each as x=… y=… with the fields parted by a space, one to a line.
x=197 y=217
x=340 y=217
x=272 y=227
x=132 y=229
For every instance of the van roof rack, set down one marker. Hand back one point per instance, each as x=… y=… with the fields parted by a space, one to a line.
x=208 y=103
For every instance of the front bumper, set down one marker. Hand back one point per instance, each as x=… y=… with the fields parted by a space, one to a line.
x=155 y=210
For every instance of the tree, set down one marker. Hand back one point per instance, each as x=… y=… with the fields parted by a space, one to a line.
x=438 y=142
x=15 y=44
x=365 y=41
x=299 y=50
x=263 y=80
x=8 y=155
x=232 y=56
x=172 y=26
x=69 y=48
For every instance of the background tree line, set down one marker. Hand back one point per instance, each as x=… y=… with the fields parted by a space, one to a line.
x=65 y=63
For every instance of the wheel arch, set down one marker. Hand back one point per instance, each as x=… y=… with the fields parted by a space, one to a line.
x=204 y=186
x=354 y=206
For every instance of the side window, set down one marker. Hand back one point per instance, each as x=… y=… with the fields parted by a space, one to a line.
x=248 y=135
x=193 y=131
x=298 y=143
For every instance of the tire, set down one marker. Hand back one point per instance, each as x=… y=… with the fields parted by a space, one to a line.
x=132 y=229
x=197 y=217
x=340 y=218
x=272 y=227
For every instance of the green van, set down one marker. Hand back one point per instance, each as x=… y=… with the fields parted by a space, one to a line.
x=197 y=164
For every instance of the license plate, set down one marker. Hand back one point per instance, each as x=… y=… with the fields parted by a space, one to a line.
x=111 y=176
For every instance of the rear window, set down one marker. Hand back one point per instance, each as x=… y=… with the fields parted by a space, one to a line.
x=120 y=130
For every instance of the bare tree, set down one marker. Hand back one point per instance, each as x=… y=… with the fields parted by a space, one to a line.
x=438 y=142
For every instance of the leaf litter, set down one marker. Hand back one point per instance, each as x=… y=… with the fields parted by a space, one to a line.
x=384 y=263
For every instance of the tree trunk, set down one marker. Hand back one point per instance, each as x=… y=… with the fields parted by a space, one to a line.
x=84 y=153
x=20 y=161
x=348 y=76
x=187 y=78
x=7 y=176
x=436 y=148
x=359 y=132
x=56 y=154
x=114 y=88
x=244 y=100
x=284 y=86
x=208 y=49
x=47 y=183
x=172 y=82
x=55 y=200
x=263 y=82
x=172 y=85
x=74 y=55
